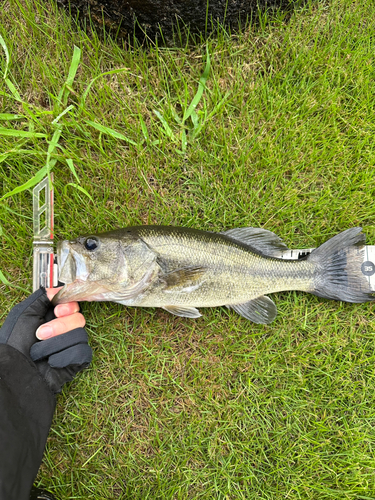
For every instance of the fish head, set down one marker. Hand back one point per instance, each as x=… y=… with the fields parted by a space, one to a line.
x=101 y=267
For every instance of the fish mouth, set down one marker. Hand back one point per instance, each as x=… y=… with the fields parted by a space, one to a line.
x=80 y=291
x=73 y=273
x=66 y=263
x=62 y=254
x=71 y=264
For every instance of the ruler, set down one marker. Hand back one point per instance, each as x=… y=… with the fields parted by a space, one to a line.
x=45 y=272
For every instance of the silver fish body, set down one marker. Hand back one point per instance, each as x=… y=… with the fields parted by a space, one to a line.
x=181 y=269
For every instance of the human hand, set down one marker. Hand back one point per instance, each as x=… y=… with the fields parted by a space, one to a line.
x=66 y=317
x=65 y=351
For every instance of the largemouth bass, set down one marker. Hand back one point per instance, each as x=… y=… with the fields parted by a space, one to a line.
x=182 y=269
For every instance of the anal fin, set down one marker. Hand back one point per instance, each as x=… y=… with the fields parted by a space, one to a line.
x=261 y=310
x=185 y=312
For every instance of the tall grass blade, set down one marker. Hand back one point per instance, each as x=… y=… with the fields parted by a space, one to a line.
x=201 y=88
x=66 y=110
x=111 y=132
x=167 y=128
x=112 y=72
x=80 y=188
x=4 y=280
x=13 y=90
x=7 y=59
x=27 y=185
x=20 y=133
x=70 y=163
x=51 y=147
x=64 y=92
x=10 y=116
x=144 y=128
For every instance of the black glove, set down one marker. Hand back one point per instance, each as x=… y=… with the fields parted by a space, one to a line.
x=31 y=373
x=57 y=359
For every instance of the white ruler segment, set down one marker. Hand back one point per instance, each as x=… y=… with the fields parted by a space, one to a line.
x=367 y=268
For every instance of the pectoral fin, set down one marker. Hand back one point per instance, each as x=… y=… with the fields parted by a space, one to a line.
x=185 y=312
x=260 y=310
x=184 y=280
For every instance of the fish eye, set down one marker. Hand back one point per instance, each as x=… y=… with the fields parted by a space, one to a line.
x=91 y=243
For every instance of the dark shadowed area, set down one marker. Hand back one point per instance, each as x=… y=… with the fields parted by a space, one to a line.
x=160 y=19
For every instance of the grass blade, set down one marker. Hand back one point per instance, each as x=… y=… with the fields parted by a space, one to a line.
x=13 y=90
x=218 y=105
x=10 y=116
x=114 y=71
x=201 y=87
x=111 y=132
x=7 y=59
x=12 y=152
x=80 y=188
x=4 y=156
x=8 y=283
x=144 y=129
x=66 y=110
x=27 y=185
x=167 y=128
x=9 y=132
x=74 y=65
x=70 y=163
x=51 y=147
x=64 y=92
x=4 y=280
x=175 y=116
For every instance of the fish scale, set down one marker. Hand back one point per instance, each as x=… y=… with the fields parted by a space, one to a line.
x=228 y=262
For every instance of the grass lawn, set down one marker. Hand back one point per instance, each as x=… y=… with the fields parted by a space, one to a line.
x=282 y=137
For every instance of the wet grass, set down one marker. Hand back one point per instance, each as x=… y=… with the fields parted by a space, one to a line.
x=281 y=138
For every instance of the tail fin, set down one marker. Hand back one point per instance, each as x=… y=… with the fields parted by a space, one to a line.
x=338 y=268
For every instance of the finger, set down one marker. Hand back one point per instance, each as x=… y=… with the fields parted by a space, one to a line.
x=63 y=309
x=60 y=325
x=66 y=309
x=51 y=292
x=79 y=355
x=42 y=350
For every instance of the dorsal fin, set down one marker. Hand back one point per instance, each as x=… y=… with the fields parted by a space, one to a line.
x=262 y=240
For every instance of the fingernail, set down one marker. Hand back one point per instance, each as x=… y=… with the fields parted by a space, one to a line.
x=44 y=332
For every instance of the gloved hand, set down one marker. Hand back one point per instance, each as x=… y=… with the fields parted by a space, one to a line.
x=58 y=359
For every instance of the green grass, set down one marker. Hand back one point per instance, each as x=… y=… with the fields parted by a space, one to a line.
x=282 y=138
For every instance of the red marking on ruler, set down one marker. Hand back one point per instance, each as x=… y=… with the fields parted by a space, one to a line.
x=51 y=221
x=51 y=270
